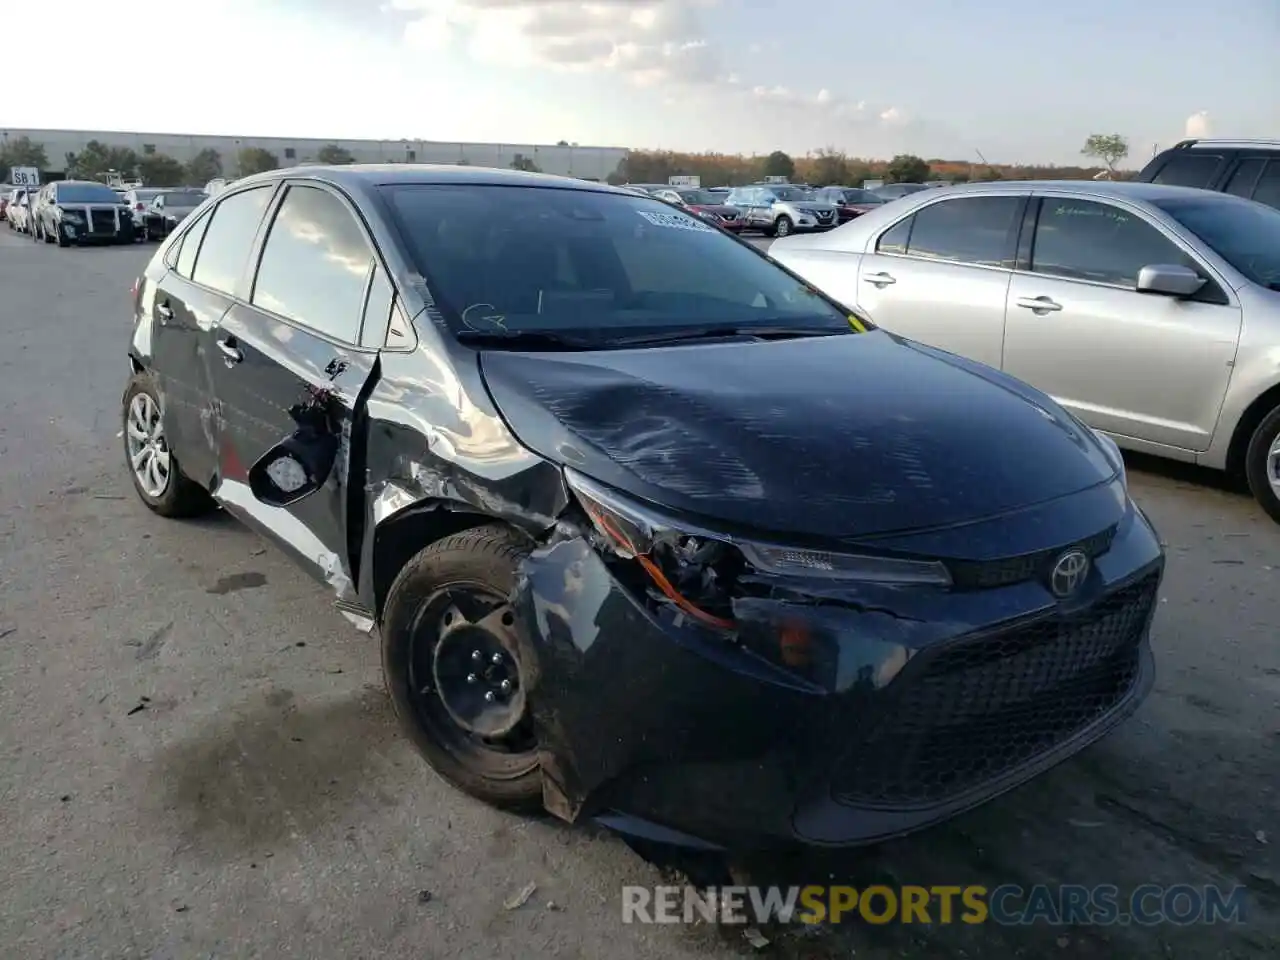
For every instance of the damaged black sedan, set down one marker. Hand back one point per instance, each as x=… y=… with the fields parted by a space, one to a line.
x=652 y=532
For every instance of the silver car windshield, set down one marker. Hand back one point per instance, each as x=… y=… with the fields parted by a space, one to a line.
x=1241 y=232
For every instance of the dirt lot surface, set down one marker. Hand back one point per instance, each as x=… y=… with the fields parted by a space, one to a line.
x=197 y=758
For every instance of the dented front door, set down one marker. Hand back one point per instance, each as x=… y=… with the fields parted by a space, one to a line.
x=264 y=370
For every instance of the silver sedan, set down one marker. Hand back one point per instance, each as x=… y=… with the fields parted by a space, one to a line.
x=1151 y=312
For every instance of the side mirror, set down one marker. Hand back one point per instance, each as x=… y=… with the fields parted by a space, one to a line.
x=1169 y=280
x=298 y=465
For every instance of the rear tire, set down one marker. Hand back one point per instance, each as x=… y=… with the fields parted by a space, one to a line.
x=178 y=496
x=420 y=622
x=1262 y=464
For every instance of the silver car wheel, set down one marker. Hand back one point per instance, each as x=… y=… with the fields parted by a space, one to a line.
x=1273 y=466
x=145 y=442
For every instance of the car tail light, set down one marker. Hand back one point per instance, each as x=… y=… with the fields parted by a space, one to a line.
x=139 y=207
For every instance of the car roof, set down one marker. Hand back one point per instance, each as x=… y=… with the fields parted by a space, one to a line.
x=365 y=176
x=1121 y=189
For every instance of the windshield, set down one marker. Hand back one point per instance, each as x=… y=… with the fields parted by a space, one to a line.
x=183 y=198
x=86 y=193
x=1243 y=233
x=789 y=193
x=860 y=196
x=512 y=259
x=699 y=197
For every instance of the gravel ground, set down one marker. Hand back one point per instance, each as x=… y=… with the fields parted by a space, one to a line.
x=197 y=758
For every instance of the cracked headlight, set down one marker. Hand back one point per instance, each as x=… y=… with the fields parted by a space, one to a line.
x=790 y=561
x=636 y=531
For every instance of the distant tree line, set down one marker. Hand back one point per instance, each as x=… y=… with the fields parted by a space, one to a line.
x=832 y=167
x=827 y=166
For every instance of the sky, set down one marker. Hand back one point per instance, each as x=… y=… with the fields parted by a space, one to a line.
x=1006 y=80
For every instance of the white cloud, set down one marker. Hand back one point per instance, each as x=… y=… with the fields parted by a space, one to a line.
x=1197 y=124
x=652 y=43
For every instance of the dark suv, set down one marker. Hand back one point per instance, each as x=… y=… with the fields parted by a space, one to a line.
x=1244 y=168
x=651 y=530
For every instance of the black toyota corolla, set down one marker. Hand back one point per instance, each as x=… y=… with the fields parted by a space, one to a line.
x=651 y=531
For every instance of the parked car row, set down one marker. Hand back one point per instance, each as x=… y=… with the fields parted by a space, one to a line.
x=77 y=212
x=776 y=209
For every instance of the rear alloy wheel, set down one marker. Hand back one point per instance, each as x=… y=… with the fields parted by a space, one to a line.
x=1262 y=464
x=782 y=228
x=157 y=478
x=453 y=666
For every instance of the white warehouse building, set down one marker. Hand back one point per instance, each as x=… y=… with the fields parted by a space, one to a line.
x=591 y=163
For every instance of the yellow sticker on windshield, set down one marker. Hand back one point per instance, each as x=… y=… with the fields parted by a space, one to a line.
x=856 y=324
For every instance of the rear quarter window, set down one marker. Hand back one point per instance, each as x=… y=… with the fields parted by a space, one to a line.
x=1188 y=169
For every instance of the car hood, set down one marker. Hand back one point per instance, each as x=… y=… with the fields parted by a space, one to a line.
x=826 y=437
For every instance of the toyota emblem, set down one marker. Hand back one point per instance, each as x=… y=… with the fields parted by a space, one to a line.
x=1068 y=573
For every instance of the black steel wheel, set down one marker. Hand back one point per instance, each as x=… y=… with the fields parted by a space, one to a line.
x=454 y=667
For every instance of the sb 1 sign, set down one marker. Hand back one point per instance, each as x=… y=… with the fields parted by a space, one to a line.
x=24 y=176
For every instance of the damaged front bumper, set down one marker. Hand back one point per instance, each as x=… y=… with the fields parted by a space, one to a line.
x=838 y=714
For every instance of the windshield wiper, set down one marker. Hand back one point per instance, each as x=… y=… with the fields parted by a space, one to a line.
x=538 y=339
x=719 y=333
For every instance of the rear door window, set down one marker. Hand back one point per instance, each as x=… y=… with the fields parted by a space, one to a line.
x=974 y=230
x=1087 y=240
x=1188 y=169
x=229 y=237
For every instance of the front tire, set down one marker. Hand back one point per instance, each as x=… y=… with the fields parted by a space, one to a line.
x=1262 y=464
x=783 y=227
x=454 y=670
x=157 y=477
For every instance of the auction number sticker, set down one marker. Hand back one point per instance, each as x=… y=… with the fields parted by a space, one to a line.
x=675 y=221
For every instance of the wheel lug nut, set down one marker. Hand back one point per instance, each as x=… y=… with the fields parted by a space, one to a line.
x=489 y=697
x=477 y=655
x=496 y=659
x=505 y=686
x=472 y=678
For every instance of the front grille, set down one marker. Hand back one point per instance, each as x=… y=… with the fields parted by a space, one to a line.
x=824 y=217
x=102 y=221
x=969 y=575
x=978 y=708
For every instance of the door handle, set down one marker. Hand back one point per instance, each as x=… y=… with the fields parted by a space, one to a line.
x=881 y=279
x=230 y=352
x=165 y=311
x=1039 y=304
